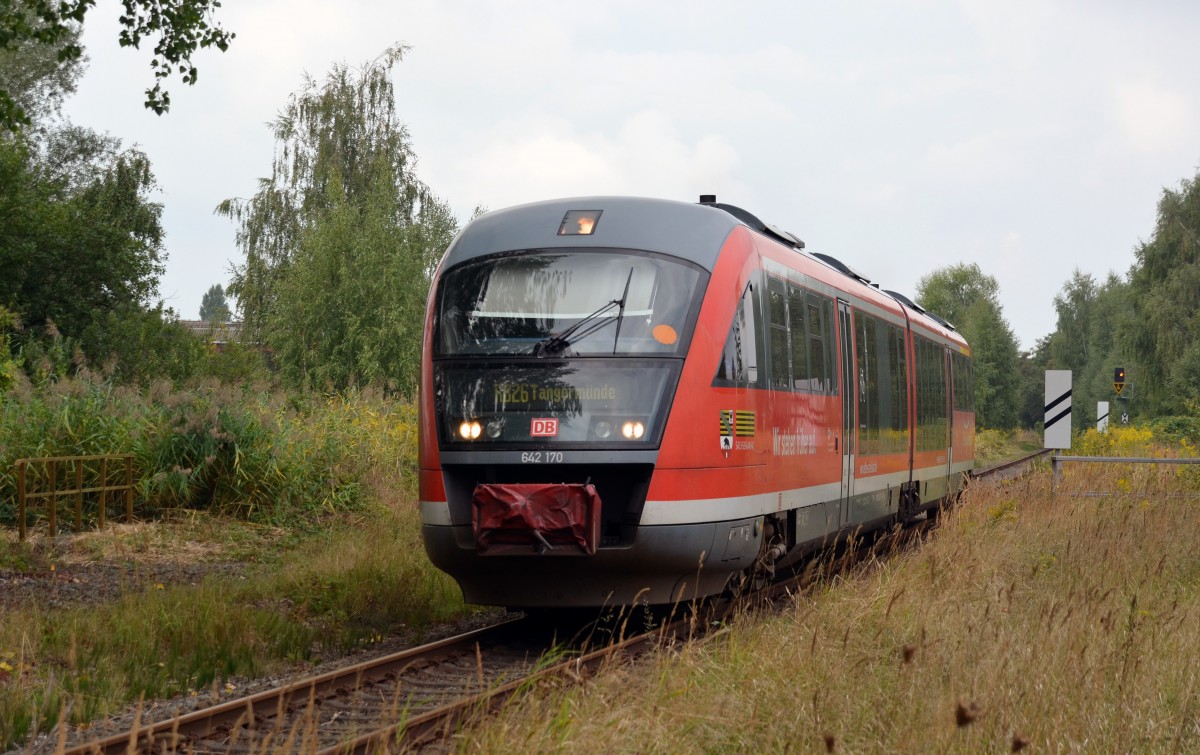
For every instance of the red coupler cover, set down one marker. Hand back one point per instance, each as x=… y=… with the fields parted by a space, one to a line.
x=536 y=518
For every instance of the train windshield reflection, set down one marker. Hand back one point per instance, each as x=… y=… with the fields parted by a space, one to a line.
x=520 y=304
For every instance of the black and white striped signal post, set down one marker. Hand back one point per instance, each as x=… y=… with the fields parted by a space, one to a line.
x=1102 y=416
x=1057 y=425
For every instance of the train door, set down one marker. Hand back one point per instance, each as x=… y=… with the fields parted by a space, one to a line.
x=849 y=408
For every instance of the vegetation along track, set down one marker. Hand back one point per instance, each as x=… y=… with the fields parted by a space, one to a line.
x=419 y=696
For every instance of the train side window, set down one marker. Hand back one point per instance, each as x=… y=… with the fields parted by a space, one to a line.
x=897 y=430
x=931 y=395
x=778 y=328
x=739 y=360
x=866 y=348
x=820 y=343
x=964 y=388
x=802 y=375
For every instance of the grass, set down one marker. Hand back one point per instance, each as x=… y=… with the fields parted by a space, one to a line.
x=341 y=587
x=1056 y=623
x=304 y=595
x=1036 y=619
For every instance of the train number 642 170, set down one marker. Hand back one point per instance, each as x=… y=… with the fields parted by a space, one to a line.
x=541 y=457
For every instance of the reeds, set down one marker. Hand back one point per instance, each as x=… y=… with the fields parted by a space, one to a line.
x=244 y=451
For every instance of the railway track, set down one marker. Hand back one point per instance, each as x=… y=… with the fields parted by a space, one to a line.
x=421 y=696
x=323 y=711
x=1008 y=469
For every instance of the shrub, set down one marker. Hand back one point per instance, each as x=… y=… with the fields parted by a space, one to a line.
x=1118 y=441
x=1177 y=429
x=991 y=445
x=244 y=451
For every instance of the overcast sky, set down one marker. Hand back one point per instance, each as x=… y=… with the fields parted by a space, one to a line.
x=1031 y=137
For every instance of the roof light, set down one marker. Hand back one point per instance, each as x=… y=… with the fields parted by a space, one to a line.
x=579 y=223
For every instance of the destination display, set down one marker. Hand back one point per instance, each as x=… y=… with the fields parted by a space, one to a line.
x=618 y=401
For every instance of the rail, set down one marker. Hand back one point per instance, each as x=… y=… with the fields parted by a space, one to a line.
x=1056 y=463
x=1003 y=466
x=99 y=481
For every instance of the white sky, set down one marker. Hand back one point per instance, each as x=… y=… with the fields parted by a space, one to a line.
x=1030 y=136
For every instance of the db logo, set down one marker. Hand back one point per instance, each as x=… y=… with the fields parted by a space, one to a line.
x=546 y=427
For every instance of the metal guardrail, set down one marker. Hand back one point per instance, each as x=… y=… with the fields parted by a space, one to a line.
x=1056 y=463
x=99 y=481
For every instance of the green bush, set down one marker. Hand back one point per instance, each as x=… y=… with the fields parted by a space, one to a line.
x=1177 y=429
x=244 y=451
x=991 y=445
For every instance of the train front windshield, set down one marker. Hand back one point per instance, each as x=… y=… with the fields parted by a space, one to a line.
x=596 y=303
x=561 y=347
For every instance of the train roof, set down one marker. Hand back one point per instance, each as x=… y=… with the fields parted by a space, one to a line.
x=691 y=231
x=695 y=232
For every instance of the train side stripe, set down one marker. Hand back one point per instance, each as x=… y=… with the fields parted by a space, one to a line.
x=704 y=510
x=740 y=507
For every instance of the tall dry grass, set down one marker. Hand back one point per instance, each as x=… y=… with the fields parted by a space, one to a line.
x=1066 y=623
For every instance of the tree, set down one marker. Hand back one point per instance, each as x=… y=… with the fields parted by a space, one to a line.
x=139 y=344
x=35 y=80
x=341 y=241
x=180 y=27
x=962 y=294
x=1162 y=331
x=1085 y=340
x=1031 y=409
x=80 y=237
x=949 y=292
x=1071 y=341
x=213 y=307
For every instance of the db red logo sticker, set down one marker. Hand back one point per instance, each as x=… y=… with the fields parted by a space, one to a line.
x=546 y=427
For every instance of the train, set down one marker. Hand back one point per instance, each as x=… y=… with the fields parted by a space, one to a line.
x=631 y=401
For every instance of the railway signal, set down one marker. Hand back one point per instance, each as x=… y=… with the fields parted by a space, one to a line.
x=1119 y=380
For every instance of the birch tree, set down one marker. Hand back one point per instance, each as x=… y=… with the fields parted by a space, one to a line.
x=340 y=242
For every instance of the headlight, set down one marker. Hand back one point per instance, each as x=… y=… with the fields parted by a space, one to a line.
x=469 y=430
x=633 y=430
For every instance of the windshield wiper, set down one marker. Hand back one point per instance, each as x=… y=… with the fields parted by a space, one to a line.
x=621 y=311
x=555 y=343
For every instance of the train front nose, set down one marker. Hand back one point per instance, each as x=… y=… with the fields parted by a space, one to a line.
x=510 y=536
x=550 y=380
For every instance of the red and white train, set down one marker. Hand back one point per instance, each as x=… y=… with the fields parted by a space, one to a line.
x=631 y=400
